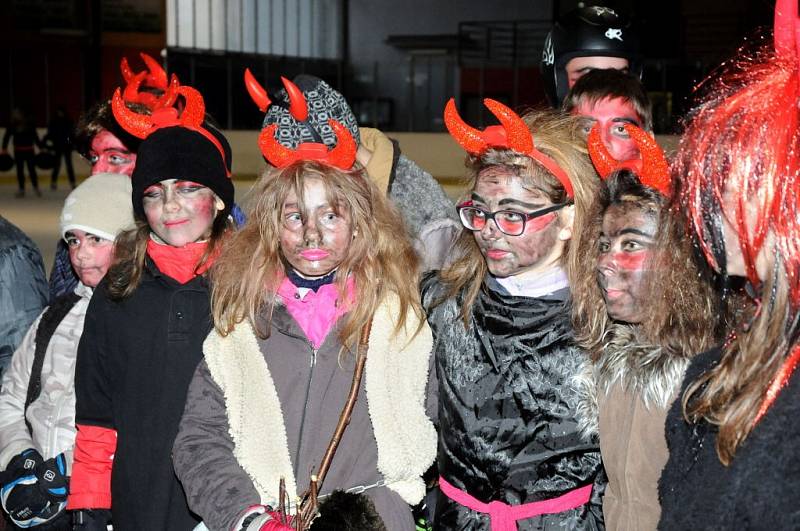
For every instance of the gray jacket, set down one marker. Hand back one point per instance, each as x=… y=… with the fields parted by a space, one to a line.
x=258 y=410
x=23 y=288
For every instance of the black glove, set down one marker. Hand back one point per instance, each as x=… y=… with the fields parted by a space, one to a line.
x=29 y=499
x=91 y=519
x=52 y=477
x=20 y=465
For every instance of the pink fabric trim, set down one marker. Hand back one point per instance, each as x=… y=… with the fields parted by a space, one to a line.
x=503 y=517
x=317 y=312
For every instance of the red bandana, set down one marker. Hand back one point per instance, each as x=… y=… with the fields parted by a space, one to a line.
x=180 y=263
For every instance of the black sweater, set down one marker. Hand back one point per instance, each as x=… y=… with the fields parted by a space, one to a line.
x=761 y=487
x=135 y=361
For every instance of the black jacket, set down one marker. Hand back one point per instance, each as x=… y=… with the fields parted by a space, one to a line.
x=761 y=487
x=135 y=361
x=508 y=412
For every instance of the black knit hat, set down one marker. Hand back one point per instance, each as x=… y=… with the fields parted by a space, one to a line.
x=184 y=154
x=324 y=103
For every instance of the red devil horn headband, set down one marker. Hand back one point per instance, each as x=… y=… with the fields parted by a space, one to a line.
x=155 y=77
x=142 y=125
x=298 y=107
x=652 y=168
x=132 y=94
x=512 y=133
x=342 y=156
x=787 y=29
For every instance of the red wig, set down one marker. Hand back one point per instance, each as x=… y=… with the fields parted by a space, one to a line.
x=743 y=139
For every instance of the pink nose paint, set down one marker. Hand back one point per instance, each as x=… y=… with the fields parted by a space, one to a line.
x=314 y=254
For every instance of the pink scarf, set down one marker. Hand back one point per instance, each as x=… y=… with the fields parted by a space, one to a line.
x=316 y=312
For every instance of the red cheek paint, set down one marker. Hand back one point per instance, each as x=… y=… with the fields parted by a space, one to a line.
x=630 y=261
x=537 y=224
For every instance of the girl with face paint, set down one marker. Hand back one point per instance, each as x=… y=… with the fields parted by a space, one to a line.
x=511 y=455
x=642 y=309
x=145 y=327
x=732 y=435
x=327 y=255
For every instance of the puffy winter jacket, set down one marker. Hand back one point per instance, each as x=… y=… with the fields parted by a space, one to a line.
x=23 y=287
x=52 y=414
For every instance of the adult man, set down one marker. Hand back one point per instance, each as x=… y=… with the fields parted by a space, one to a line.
x=586 y=39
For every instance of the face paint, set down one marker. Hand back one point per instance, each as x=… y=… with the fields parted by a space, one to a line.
x=89 y=255
x=316 y=238
x=538 y=248
x=612 y=115
x=624 y=248
x=180 y=212
x=107 y=154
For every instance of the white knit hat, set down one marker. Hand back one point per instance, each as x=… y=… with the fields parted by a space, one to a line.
x=100 y=205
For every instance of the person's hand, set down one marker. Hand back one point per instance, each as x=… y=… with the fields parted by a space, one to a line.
x=52 y=477
x=34 y=491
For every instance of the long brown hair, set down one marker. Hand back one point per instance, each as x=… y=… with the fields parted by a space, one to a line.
x=381 y=258
x=682 y=314
x=559 y=137
x=130 y=254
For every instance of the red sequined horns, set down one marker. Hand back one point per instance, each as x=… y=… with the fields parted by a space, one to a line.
x=342 y=156
x=652 y=168
x=298 y=107
x=512 y=133
x=141 y=125
x=156 y=77
x=133 y=95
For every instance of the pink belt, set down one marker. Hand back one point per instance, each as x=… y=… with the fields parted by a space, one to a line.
x=503 y=516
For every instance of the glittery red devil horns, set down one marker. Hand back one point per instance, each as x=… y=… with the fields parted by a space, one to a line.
x=141 y=125
x=298 y=107
x=652 y=168
x=131 y=94
x=787 y=29
x=512 y=133
x=342 y=156
x=156 y=76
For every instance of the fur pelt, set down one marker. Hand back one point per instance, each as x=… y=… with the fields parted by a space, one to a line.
x=345 y=511
x=651 y=372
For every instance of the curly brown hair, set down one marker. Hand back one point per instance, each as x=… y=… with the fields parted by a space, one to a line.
x=682 y=312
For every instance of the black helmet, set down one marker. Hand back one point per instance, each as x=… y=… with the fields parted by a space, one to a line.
x=584 y=32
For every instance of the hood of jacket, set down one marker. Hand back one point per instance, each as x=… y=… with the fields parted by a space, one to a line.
x=384 y=157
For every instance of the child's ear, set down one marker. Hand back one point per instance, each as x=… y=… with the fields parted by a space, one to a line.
x=219 y=204
x=567 y=217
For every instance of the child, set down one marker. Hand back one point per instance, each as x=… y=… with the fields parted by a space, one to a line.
x=734 y=461
x=511 y=455
x=145 y=326
x=642 y=309
x=37 y=401
x=327 y=258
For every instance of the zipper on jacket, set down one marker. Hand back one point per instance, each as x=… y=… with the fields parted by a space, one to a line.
x=305 y=408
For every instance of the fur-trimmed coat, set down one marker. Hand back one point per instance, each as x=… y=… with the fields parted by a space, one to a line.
x=634 y=384
x=508 y=410
x=259 y=410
